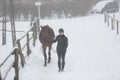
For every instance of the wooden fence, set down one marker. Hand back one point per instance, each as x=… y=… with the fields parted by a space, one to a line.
x=18 y=51
x=112 y=22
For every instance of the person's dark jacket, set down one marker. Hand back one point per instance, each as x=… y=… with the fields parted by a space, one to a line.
x=62 y=43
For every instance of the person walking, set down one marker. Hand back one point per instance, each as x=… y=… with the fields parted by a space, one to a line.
x=62 y=44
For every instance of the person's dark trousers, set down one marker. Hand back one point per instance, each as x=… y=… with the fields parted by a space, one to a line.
x=61 y=60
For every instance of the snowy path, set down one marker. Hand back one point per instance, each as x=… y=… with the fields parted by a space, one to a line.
x=93 y=53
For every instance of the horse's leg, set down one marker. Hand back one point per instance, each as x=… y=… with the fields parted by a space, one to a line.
x=45 y=56
x=49 y=54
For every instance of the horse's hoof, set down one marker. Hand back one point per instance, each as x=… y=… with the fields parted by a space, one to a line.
x=48 y=61
x=45 y=65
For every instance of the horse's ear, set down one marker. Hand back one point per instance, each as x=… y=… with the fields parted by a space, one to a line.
x=42 y=27
x=47 y=25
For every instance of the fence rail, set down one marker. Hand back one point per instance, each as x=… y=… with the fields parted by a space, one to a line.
x=112 y=22
x=11 y=31
x=18 y=51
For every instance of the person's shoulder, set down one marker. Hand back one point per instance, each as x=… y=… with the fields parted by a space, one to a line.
x=57 y=36
x=65 y=36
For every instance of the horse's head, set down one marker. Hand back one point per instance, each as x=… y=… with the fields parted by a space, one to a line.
x=47 y=32
x=46 y=26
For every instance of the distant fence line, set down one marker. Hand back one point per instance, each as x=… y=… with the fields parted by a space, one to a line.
x=18 y=50
x=112 y=22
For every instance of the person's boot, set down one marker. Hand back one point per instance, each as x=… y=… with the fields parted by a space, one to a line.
x=59 y=66
x=63 y=65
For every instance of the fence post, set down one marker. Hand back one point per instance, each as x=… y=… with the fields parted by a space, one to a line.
x=112 y=23
x=38 y=26
x=105 y=17
x=16 y=64
x=28 y=45
x=117 y=27
x=113 y=15
x=108 y=20
x=34 y=35
x=20 y=52
x=35 y=32
x=0 y=75
x=35 y=29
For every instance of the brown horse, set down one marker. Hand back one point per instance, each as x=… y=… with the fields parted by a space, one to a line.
x=46 y=34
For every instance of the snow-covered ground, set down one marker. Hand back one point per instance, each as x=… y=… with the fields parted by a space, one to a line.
x=93 y=52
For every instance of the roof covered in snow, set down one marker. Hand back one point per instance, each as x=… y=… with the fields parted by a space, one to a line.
x=100 y=5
